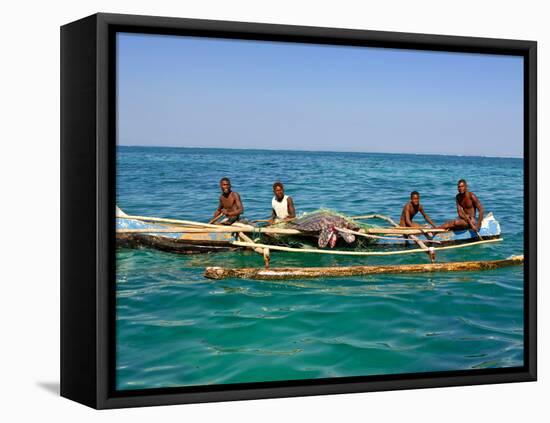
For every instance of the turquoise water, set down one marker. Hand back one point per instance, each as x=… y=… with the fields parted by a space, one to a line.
x=175 y=328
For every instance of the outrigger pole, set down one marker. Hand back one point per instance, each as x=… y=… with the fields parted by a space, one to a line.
x=428 y=250
x=358 y=253
x=264 y=252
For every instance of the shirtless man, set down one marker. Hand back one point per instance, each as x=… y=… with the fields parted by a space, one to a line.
x=466 y=206
x=282 y=206
x=411 y=209
x=230 y=204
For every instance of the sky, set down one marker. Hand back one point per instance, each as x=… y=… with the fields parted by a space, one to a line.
x=203 y=92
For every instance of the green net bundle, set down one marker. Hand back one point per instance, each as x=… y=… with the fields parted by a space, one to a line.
x=311 y=222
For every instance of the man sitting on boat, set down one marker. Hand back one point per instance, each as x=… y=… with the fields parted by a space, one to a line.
x=466 y=205
x=230 y=204
x=411 y=209
x=282 y=206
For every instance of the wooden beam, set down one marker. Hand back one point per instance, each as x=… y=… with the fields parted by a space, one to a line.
x=203 y=227
x=326 y=272
x=208 y=230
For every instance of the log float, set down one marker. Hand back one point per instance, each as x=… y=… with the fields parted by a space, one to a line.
x=284 y=273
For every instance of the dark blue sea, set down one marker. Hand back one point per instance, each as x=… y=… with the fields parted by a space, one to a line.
x=176 y=328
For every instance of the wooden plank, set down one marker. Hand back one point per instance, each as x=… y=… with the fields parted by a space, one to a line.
x=199 y=226
x=215 y=229
x=251 y=229
x=325 y=272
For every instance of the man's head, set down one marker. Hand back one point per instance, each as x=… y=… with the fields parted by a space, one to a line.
x=415 y=198
x=279 y=190
x=462 y=186
x=225 y=185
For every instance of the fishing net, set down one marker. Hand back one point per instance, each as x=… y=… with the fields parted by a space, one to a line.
x=305 y=217
x=310 y=224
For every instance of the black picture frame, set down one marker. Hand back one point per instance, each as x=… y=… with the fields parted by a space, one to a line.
x=88 y=132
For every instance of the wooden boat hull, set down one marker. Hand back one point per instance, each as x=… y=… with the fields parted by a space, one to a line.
x=490 y=229
x=193 y=243
x=183 y=243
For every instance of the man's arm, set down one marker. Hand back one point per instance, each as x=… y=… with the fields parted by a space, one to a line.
x=291 y=209
x=426 y=217
x=217 y=212
x=238 y=206
x=219 y=209
x=477 y=204
x=271 y=220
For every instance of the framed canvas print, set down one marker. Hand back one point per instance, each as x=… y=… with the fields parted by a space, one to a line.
x=254 y=211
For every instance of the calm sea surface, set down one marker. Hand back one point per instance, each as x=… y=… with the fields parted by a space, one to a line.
x=176 y=328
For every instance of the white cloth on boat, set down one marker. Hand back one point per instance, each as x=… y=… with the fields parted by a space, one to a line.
x=280 y=207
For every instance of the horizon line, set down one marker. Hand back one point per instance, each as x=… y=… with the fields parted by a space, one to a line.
x=321 y=151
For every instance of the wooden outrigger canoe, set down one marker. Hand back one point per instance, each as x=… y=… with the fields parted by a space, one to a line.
x=190 y=237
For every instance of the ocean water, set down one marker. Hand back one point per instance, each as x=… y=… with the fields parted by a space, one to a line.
x=176 y=328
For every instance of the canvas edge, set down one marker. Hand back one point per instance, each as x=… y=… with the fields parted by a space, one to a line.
x=103 y=337
x=78 y=311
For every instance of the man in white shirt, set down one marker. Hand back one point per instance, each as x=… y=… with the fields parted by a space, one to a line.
x=282 y=206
